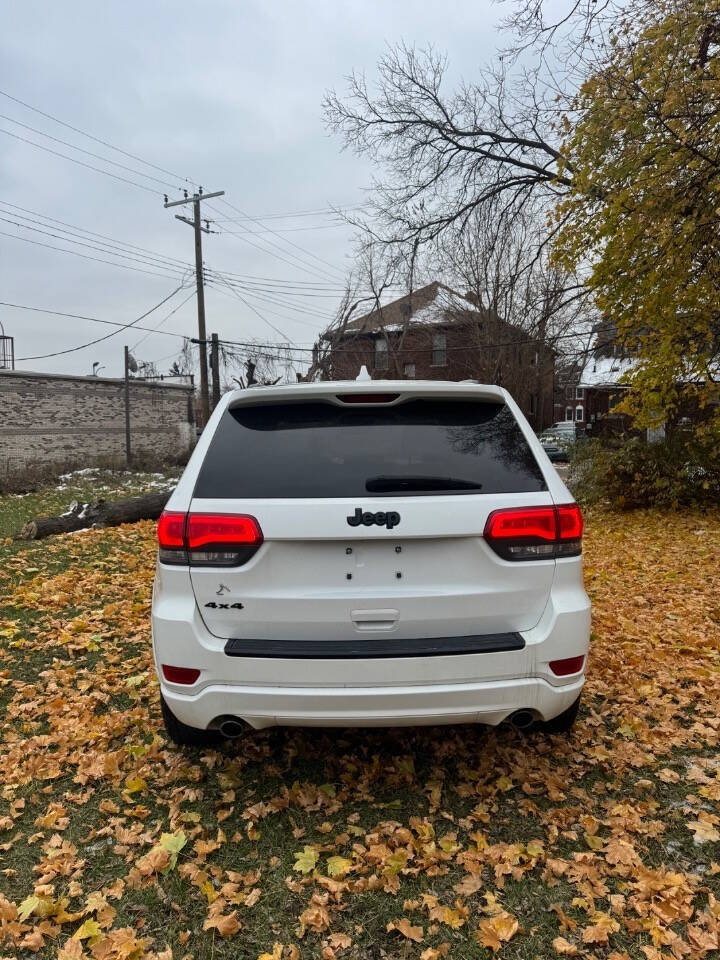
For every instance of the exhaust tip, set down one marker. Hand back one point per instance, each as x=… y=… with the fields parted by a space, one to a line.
x=522 y=719
x=231 y=727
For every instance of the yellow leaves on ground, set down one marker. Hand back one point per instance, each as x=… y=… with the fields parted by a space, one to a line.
x=404 y=927
x=89 y=930
x=602 y=925
x=338 y=866
x=561 y=946
x=423 y=843
x=226 y=924
x=705 y=828
x=163 y=856
x=493 y=931
x=306 y=860
x=316 y=916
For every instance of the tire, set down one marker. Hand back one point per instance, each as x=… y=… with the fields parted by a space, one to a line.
x=183 y=735
x=563 y=722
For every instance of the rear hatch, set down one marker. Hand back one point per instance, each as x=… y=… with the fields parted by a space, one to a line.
x=372 y=513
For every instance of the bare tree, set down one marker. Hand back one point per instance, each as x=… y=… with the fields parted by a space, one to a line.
x=469 y=179
x=446 y=156
x=249 y=365
x=379 y=275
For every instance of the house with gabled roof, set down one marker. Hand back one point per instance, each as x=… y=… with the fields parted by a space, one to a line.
x=437 y=333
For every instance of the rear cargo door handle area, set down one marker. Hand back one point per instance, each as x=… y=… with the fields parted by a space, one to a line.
x=375 y=620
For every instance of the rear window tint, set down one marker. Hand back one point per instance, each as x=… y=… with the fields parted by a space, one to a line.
x=319 y=449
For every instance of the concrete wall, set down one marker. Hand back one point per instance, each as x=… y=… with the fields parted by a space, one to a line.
x=67 y=420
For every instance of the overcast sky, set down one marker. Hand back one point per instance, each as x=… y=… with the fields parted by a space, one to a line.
x=225 y=93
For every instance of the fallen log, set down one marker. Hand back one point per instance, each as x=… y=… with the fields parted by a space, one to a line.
x=101 y=513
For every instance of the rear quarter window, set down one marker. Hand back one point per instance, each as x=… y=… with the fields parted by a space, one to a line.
x=319 y=449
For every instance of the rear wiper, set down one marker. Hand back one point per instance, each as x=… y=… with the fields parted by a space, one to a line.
x=390 y=484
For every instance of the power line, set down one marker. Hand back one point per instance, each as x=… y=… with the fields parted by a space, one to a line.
x=84 y=256
x=171 y=268
x=132 y=156
x=253 y=345
x=281 y=316
x=299 y=265
x=164 y=333
x=90 y=343
x=293 y=214
x=256 y=312
x=88 y=153
x=91 y=233
x=176 y=353
x=251 y=278
x=79 y=316
x=289 y=242
x=281 y=230
x=267 y=284
x=81 y=163
x=164 y=320
x=260 y=296
x=285 y=291
x=264 y=249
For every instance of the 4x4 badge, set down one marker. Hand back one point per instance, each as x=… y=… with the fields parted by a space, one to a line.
x=381 y=519
x=224 y=606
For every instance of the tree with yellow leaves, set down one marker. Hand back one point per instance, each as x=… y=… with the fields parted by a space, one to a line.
x=642 y=154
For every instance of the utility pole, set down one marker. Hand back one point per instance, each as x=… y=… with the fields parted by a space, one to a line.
x=215 y=367
x=196 y=224
x=127 y=406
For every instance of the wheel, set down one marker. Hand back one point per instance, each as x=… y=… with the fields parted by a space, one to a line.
x=563 y=722
x=183 y=735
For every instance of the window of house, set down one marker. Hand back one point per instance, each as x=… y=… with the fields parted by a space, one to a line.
x=568 y=393
x=580 y=393
x=533 y=403
x=439 y=350
x=409 y=370
x=568 y=413
x=534 y=359
x=381 y=354
x=579 y=412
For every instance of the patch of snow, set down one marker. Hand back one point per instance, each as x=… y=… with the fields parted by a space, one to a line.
x=605 y=371
x=86 y=471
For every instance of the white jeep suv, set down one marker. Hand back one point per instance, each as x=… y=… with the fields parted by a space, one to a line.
x=368 y=553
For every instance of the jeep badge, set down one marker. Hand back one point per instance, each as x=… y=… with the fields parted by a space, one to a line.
x=381 y=519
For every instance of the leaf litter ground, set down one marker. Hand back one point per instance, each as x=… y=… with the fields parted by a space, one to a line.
x=425 y=843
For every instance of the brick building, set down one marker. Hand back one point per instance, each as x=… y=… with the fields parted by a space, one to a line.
x=435 y=333
x=588 y=389
x=53 y=419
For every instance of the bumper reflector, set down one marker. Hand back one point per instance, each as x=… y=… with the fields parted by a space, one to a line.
x=563 y=668
x=186 y=675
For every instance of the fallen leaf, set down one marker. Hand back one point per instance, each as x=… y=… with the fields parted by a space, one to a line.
x=404 y=927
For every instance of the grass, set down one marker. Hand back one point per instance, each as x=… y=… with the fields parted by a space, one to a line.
x=82 y=486
x=591 y=838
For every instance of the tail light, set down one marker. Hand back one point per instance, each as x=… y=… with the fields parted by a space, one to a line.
x=535 y=533
x=207 y=539
x=367 y=397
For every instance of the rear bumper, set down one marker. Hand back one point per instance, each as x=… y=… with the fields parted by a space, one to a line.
x=475 y=687
x=489 y=703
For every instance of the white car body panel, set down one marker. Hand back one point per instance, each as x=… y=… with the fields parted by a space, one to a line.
x=296 y=587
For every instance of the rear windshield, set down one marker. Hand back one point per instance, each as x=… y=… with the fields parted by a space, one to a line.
x=417 y=448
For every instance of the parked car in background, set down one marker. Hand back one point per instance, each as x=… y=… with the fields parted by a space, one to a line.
x=555 y=453
x=558 y=440
x=380 y=553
